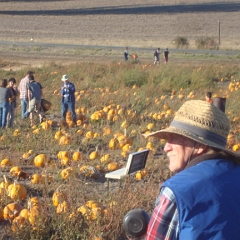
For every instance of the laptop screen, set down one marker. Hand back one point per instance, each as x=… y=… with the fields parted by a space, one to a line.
x=137 y=161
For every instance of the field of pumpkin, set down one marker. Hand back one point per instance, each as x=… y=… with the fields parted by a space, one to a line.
x=52 y=175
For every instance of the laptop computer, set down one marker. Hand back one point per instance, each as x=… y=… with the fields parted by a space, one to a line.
x=136 y=161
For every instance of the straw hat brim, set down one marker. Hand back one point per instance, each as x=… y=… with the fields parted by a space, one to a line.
x=166 y=133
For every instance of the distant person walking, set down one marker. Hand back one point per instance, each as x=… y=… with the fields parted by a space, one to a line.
x=5 y=94
x=68 y=98
x=126 y=54
x=12 y=102
x=165 y=54
x=23 y=90
x=157 y=56
x=34 y=98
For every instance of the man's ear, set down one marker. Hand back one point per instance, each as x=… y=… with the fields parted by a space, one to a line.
x=201 y=148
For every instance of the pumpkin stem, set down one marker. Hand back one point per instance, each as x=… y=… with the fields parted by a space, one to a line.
x=5 y=179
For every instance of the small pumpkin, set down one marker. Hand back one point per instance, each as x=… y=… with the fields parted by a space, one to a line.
x=67 y=173
x=113 y=166
x=5 y=183
x=113 y=143
x=64 y=140
x=57 y=135
x=77 y=156
x=36 y=178
x=14 y=171
x=62 y=154
x=105 y=159
x=6 y=163
x=41 y=160
x=94 y=155
x=58 y=197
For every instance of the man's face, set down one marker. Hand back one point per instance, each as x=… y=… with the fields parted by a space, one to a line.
x=179 y=149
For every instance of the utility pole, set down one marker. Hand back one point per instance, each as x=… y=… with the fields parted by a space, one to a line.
x=219 y=32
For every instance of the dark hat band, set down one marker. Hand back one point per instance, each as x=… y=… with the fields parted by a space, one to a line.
x=200 y=132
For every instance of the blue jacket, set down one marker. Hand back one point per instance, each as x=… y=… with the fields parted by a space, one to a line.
x=208 y=200
x=68 y=94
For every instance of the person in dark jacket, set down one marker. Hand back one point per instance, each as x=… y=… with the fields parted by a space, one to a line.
x=5 y=95
x=12 y=102
x=201 y=200
x=68 y=98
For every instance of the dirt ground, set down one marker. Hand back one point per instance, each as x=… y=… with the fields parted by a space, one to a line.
x=151 y=23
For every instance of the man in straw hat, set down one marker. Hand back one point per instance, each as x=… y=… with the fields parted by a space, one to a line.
x=201 y=201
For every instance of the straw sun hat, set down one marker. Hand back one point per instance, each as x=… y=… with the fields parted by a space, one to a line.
x=64 y=78
x=200 y=121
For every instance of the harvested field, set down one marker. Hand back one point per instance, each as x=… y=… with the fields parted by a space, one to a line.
x=119 y=23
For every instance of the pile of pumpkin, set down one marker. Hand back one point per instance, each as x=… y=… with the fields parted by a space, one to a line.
x=14 y=211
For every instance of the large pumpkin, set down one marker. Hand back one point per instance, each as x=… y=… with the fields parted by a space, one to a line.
x=17 y=191
x=11 y=211
x=18 y=223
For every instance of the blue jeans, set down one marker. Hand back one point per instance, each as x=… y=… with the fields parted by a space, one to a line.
x=71 y=107
x=24 y=104
x=4 y=107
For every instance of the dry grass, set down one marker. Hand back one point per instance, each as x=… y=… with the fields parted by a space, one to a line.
x=107 y=84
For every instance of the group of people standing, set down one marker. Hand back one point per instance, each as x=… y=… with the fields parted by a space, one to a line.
x=30 y=94
x=8 y=94
x=156 y=55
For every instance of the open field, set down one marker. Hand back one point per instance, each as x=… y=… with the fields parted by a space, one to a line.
x=118 y=23
x=116 y=100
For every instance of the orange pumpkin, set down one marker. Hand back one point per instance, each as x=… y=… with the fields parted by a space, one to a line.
x=11 y=211
x=17 y=191
x=41 y=160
